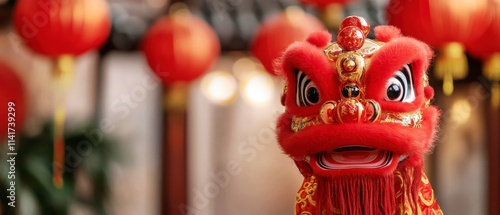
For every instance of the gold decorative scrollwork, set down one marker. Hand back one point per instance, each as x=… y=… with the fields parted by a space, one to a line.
x=425 y=193
x=306 y=193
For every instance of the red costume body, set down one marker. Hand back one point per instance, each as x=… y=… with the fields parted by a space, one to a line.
x=358 y=121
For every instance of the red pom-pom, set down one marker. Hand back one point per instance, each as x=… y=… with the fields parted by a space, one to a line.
x=319 y=38
x=350 y=38
x=358 y=22
x=386 y=33
x=429 y=92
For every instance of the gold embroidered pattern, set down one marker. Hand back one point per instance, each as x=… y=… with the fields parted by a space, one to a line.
x=410 y=119
x=426 y=195
x=306 y=193
x=402 y=197
x=299 y=123
x=426 y=203
x=413 y=120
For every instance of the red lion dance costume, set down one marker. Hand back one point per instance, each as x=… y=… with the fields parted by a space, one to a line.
x=358 y=121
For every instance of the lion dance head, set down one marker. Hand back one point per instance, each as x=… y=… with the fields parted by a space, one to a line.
x=358 y=121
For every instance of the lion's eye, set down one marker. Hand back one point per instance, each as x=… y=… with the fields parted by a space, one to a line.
x=307 y=92
x=394 y=91
x=399 y=88
x=312 y=94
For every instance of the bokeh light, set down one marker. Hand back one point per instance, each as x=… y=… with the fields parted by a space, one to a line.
x=258 y=88
x=220 y=87
x=460 y=111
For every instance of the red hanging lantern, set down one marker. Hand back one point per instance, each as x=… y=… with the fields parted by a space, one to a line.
x=62 y=29
x=486 y=44
x=12 y=102
x=487 y=49
x=281 y=30
x=180 y=47
x=447 y=25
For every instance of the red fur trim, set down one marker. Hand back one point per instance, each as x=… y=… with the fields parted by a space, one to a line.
x=429 y=124
x=386 y=33
x=320 y=38
x=429 y=92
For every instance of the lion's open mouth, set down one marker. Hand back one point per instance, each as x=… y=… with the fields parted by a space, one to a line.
x=355 y=158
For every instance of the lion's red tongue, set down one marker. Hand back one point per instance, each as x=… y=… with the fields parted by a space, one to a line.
x=354 y=160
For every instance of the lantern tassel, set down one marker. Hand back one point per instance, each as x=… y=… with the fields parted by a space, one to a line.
x=63 y=70
x=175 y=104
x=176 y=97
x=495 y=96
x=448 y=83
x=491 y=70
x=451 y=65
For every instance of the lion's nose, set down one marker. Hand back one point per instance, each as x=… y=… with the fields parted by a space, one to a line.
x=350 y=91
x=350 y=111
